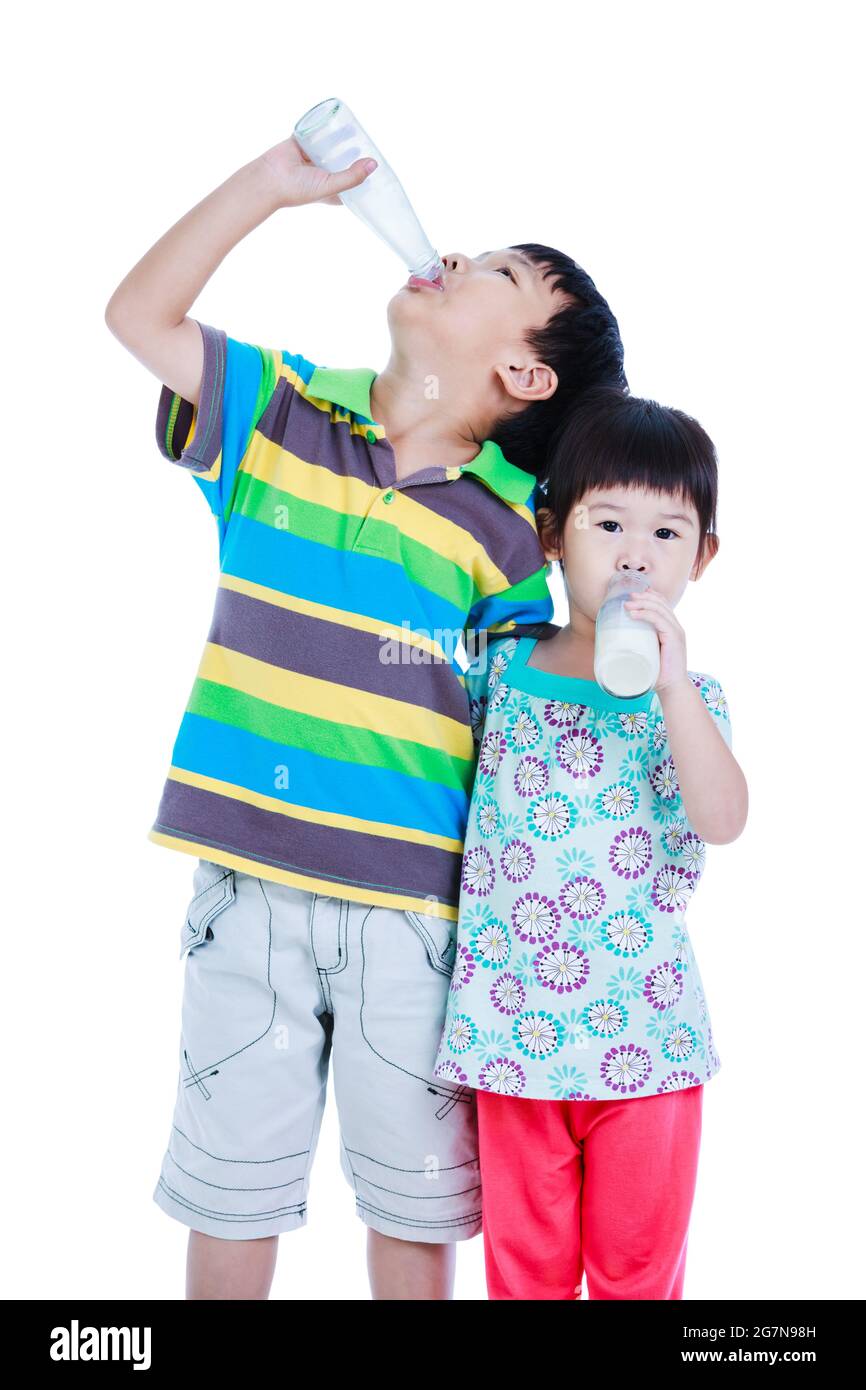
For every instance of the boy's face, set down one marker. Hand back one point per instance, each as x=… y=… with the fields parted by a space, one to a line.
x=478 y=323
x=615 y=529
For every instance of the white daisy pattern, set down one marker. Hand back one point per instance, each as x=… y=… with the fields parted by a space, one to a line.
x=618 y=801
x=575 y=973
x=517 y=861
x=531 y=776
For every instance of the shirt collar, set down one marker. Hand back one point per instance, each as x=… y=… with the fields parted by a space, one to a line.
x=349 y=387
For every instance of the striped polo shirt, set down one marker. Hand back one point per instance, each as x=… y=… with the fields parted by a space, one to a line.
x=327 y=742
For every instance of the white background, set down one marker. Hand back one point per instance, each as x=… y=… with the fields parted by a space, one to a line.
x=703 y=163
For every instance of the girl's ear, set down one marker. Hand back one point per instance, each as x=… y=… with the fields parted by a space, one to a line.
x=710 y=550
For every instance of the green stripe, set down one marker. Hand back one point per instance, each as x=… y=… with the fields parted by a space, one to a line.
x=534 y=586
x=339 y=742
x=169 y=428
x=313 y=521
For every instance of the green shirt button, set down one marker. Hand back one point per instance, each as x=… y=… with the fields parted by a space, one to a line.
x=371 y=436
x=388 y=496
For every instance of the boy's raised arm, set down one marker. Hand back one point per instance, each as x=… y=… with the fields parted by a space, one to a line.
x=147 y=312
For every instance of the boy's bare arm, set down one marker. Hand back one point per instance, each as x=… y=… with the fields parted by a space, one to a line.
x=147 y=311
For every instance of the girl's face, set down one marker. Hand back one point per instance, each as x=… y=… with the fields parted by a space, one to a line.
x=615 y=529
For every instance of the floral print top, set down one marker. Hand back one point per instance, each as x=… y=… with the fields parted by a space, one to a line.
x=574 y=975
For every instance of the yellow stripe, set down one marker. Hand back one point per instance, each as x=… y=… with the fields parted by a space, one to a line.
x=522 y=510
x=341 y=704
x=305 y=813
x=359 y=621
x=326 y=887
x=279 y=468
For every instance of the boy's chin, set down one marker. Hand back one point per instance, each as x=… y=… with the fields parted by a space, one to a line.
x=412 y=329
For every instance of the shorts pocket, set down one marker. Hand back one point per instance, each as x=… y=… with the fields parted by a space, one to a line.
x=214 y=890
x=402 y=998
x=439 y=938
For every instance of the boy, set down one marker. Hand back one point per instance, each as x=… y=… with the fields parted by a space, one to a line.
x=324 y=765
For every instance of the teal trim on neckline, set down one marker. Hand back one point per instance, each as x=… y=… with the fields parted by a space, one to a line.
x=574 y=689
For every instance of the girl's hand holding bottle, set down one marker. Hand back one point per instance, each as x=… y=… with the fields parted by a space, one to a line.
x=652 y=607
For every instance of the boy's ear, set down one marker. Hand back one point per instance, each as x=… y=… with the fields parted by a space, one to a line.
x=544 y=523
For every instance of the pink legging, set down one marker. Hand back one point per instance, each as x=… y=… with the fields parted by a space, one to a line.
x=601 y=1185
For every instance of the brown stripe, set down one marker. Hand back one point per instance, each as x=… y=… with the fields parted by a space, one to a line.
x=332 y=652
x=300 y=846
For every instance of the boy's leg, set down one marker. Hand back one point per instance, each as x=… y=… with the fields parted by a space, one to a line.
x=530 y=1187
x=227 y=1269
x=641 y=1162
x=254 y=1049
x=409 y=1141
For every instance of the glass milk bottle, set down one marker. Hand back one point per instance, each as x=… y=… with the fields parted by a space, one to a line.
x=332 y=138
x=627 y=652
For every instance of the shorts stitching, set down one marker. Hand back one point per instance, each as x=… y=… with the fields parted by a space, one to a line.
x=321 y=975
x=221 y=1187
x=295 y=1209
x=279 y=1159
x=413 y=1197
x=196 y=1073
x=222 y=879
x=452 y=1168
x=422 y=1225
x=428 y=1081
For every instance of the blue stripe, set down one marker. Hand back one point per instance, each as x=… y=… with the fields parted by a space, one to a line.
x=347 y=580
x=488 y=612
x=247 y=760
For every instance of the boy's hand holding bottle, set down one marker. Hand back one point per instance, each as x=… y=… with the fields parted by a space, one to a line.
x=297 y=180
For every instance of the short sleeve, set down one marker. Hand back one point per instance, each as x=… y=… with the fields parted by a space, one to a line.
x=510 y=611
x=716 y=702
x=210 y=440
x=487 y=666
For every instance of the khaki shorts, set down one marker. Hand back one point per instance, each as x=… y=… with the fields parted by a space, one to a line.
x=275 y=979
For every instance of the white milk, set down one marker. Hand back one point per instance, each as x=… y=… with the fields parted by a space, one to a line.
x=626 y=657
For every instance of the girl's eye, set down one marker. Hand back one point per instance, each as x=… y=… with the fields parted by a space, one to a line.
x=507 y=269
x=661 y=528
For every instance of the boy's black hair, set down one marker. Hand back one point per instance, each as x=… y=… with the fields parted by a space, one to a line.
x=613 y=439
x=580 y=341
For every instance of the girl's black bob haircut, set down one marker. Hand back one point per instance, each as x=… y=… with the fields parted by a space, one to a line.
x=614 y=439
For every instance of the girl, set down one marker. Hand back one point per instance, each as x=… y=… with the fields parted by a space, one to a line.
x=577 y=1012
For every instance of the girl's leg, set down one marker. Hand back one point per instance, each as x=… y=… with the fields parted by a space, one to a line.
x=640 y=1171
x=530 y=1198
